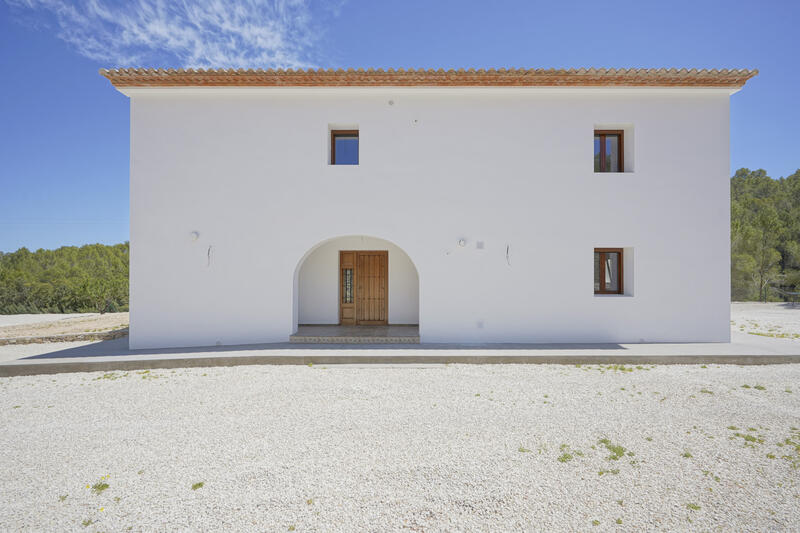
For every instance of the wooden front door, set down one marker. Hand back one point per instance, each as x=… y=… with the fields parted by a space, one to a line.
x=363 y=288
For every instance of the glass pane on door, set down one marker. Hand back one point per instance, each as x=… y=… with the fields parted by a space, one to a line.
x=347 y=285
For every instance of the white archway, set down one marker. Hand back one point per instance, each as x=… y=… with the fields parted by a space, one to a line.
x=316 y=281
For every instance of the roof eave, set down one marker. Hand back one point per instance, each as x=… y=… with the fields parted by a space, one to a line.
x=162 y=78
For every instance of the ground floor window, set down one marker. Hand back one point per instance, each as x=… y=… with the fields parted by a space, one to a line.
x=608 y=270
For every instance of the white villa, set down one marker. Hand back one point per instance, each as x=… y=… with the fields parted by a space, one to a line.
x=469 y=206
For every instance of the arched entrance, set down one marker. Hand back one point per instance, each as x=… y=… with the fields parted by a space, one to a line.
x=364 y=286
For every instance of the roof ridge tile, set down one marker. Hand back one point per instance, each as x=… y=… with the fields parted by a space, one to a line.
x=471 y=77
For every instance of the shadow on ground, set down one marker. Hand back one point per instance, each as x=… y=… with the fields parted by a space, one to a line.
x=119 y=347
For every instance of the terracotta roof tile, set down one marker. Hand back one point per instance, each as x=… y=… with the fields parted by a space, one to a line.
x=591 y=77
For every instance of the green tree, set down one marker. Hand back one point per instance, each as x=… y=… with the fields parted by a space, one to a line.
x=767 y=230
x=765 y=234
x=70 y=279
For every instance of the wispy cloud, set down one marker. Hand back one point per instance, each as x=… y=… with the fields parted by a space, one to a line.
x=202 y=33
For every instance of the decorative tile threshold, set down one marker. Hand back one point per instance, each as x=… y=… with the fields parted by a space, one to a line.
x=315 y=339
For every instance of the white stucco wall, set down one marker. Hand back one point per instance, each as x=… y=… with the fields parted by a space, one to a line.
x=247 y=169
x=318 y=282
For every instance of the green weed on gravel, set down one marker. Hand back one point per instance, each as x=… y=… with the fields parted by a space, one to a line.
x=616 y=368
x=749 y=438
x=792 y=441
x=568 y=453
x=693 y=506
x=100 y=486
x=616 y=450
x=775 y=335
x=109 y=375
x=198 y=485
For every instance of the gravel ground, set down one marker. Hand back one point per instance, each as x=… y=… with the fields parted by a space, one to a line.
x=460 y=447
x=25 y=325
x=15 y=320
x=777 y=320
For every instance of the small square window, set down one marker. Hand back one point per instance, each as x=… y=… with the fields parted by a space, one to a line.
x=608 y=151
x=344 y=147
x=608 y=271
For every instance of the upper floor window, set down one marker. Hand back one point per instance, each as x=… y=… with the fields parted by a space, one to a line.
x=608 y=270
x=344 y=147
x=608 y=150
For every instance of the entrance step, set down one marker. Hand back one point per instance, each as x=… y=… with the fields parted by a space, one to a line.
x=356 y=335
x=353 y=340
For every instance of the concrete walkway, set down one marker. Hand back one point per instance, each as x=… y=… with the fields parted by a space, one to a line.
x=115 y=355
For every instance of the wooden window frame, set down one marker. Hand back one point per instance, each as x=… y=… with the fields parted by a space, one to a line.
x=621 y=155
x=620 y=287
x=342 y=133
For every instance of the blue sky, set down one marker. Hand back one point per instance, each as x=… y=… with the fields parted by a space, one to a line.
x=64 y=129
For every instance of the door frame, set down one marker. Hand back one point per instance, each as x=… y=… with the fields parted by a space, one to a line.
x=355 y=319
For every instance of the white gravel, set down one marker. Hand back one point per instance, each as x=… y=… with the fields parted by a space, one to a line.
x=777 y=320
x=456 y=448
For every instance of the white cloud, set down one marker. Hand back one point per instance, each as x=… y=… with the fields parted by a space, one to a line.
x=200 y=34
